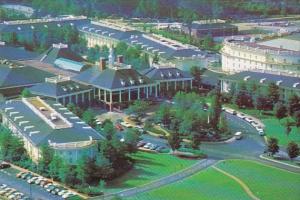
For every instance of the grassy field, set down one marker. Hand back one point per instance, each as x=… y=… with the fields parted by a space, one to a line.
x=275 y=129
x=148 y=167
x=265 y=182
x=206 y=185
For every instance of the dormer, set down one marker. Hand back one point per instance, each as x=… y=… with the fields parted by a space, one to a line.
x=262 y=80
x=278 y=82
x=246 y=78
x=122 y=82
x=132 y=81
x=141 y=80
x=162 y=75
x=296 y=85
x=169 y=74
x=32 y=27
x=178 y=74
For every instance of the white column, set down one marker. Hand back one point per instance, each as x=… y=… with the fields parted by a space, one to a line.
x=182 y=84
x=120 y=96
x=70 y=99
x=110 y=97
x=76 y=98
x=147 y=92
x=156 y=91
x=82 y=97
x=99 y=93
x=167 y=86
x=151 y=89
x=64 y=100
x=191 y=84
x=105 y=100
x=89 y=96
x=175 y=85
x=129 y=95
x=138 y=93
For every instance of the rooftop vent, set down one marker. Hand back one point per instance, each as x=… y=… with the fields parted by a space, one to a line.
x=19 y=28
x=141 y=80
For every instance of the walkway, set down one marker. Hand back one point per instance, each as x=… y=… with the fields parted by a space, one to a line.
x=239 y=181
x=202 y=164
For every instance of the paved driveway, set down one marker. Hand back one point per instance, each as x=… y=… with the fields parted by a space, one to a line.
x=37 y=192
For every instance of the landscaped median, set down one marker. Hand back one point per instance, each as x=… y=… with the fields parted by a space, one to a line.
x=231 y=179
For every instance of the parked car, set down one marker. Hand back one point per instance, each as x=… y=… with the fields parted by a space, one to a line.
x=20 y=174
x=50 y=188
x=147 y=146
x=140 y=143
x=160 y=149
x=2 y=186
x=62 y=192
x=32 y=180
x=68 y=195
x=48 y=185
x=4 y=165
x=238 y=135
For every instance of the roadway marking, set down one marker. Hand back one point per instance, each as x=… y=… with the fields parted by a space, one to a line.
x=239 y=181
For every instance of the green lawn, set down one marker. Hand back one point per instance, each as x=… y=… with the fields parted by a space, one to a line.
x=206 y=185
x=265 y=182
x=275 y=129
x=148 y=167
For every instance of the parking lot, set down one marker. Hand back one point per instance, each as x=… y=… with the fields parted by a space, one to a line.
x=8 y=177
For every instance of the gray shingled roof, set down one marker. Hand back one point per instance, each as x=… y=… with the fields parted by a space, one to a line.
x=166 y=73
x=19 y=76
x=39 y=26
x=112 y=78
x=14 y=53
x=285 y=81
x=54 y=53
x=58 y=89
x=74 y=134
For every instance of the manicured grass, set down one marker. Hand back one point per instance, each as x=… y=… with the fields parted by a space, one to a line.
x=275 y=129
x=265 y=182
x=148 y=167
x=206 y=185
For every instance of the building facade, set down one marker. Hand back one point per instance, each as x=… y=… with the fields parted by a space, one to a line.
x=288 y=85
x=244 y=54
x=38 y=122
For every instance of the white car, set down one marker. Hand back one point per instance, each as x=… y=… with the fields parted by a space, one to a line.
x=3 y=186
x=147 y=146
x=33 y=179
x=68 y=195
x=238 y=135
x=261 y=133
x=61 y=193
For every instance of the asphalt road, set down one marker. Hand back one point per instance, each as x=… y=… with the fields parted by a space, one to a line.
x=37 y=192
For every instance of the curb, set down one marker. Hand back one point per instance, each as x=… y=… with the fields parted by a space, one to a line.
x=276 y=161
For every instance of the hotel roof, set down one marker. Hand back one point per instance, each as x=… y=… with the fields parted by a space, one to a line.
x=166 y=73
x=15 y=53
x=39 y=132
x=55 y=89
x=212 y=26
x=164 y=47
x=266 y=78
x=13 y=75
x=112 y=78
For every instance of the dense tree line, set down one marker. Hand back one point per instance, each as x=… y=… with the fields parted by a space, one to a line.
x=165 y=8
x=189 y=117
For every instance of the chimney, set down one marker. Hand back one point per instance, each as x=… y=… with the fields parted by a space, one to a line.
x=120 y=59
x=102 y=64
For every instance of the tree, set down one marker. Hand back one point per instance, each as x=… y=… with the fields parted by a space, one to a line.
x=196 y=73
x=215 y=109
x=293 y=104
x=293 y=150
x=26 y=93
x=273 y=92
x=196 y=140
x=188 y=16
x=280 y=111
x=155 y=59
x=297 y=118
x=138 y=107
x=164 y=114
x=89 y=117
x=109 y=129
x=47 y=154
x=223 y=125
x=273 y=146
x=174 y=140
x=131 y=138
x=55 y=167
